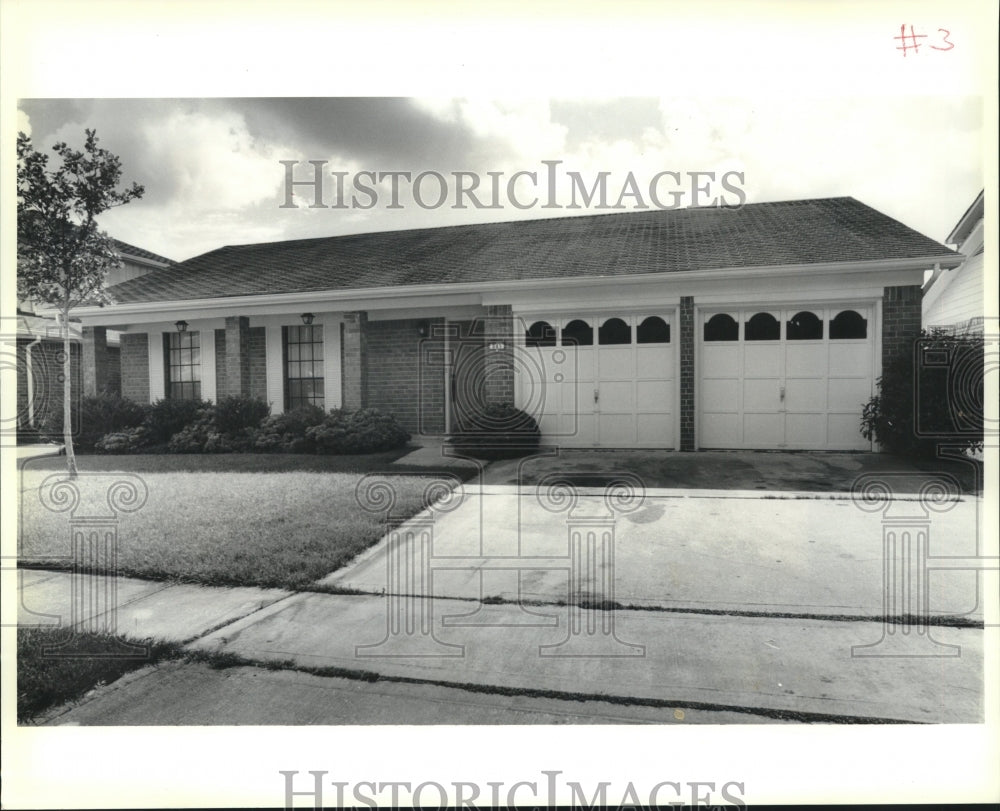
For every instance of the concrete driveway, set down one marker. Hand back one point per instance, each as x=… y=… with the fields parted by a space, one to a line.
x=791 y=551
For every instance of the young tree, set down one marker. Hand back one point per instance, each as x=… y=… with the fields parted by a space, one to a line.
x=62 y=256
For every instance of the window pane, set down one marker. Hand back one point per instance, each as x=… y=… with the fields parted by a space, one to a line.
x=722 y=327
x=614 y=331
x=762 y=327
x=541 y=333
x=578 y=333
x=848 y=324
x=653 y=330
x=805 y=326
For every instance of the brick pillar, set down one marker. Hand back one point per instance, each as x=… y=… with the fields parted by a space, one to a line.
x=237 y=356
x=135 y=366
x=498 y=381
x=355 y=363
x=687 y=370
x=95 y=360
x=900 y=321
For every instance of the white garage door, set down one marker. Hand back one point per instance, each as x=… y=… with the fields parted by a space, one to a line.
x=600 y=381
x=785 y=378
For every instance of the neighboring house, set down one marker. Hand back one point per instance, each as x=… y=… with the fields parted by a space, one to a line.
x=40 y=347
x=953 y=297
x=759 y=327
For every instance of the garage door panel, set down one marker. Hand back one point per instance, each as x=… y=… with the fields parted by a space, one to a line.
x=655 y=396
x=616 y=363
x=763 y=430
x=652 y=362
x=617 y=430
x=849 y=395
x=720 y=431
x=847 y=359
x=845 y=434
x=805 y=430
x=634 y=383
x=655 y=430
x=805 y=359
x=805 y=395
x=762 y=359
x=720 y=395
x=720 y=361
x=761 y=395
x=784 y=393
x=617 y=395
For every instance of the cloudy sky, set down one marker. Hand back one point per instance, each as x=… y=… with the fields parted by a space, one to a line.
x=212 y=174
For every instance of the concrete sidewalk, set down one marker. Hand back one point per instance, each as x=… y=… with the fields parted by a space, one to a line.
x=803 y=669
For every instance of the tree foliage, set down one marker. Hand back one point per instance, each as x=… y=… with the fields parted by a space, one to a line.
x=63 y=257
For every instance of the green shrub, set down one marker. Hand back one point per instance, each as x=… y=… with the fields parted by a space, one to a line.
x=95 y=417
x=191 y=438
x=287 y=432
x=131 y=440
x=234 y=415
x=498 y=431
x=167 y=417
x=929 y=396
x=364 y=431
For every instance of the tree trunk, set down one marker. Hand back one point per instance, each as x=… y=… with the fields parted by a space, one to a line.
x=68 y=397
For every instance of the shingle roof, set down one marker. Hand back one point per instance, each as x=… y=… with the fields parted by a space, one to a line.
x=141 y=253
x=837 y=229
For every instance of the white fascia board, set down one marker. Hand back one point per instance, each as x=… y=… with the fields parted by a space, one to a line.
x=142 y=260
x=484 y=293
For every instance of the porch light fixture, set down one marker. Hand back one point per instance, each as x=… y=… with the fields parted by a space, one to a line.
x=181 y=326
x=307 y=318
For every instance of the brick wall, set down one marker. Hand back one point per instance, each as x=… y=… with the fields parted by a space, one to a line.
x=405 y=373
x=687 y=373
x=257 y=349
x=900 y=320
x=134 y=356
x=499 y=375
x=115 y=369
x=47 y=379
x=354 y=360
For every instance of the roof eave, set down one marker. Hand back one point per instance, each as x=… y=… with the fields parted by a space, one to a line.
x=949 y=260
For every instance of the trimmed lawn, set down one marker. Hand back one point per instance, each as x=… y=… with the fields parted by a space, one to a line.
x=236 y=462
x=46 y=679
x=281 y=530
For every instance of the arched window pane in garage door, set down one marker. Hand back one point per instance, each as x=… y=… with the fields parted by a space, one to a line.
x=804 y=326
x=578 y=333
x=762 y=327
x=539 y=334
x=848 y=324
x=614 y=331
x=653 y=330
x=722 y=327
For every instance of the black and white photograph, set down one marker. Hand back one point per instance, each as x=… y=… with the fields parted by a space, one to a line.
x=499 y=409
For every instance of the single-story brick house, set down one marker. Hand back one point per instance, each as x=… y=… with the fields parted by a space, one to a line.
x=764 y=326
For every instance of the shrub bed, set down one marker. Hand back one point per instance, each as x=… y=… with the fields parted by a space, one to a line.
x=364 y=431
x=498 y=431
x=929 y=396
x=244 y=424
x=96 y=416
